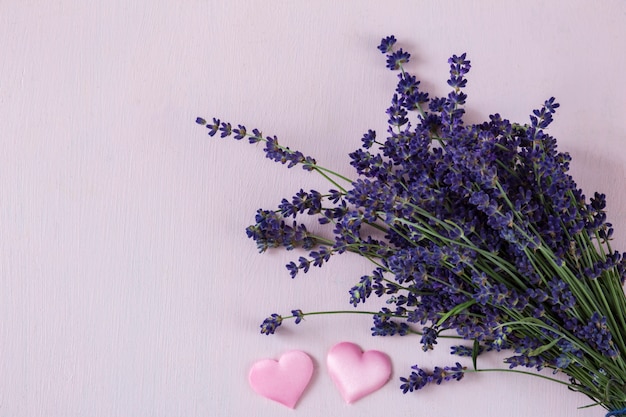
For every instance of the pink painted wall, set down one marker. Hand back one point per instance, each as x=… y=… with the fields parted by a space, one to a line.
x=127 y=285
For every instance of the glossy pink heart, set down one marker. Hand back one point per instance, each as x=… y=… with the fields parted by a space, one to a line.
x=283 y=380
x=357 y=373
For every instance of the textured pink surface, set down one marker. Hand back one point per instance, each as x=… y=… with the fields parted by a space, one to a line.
x=283 y=380
x=357 y=373
x=128 y=286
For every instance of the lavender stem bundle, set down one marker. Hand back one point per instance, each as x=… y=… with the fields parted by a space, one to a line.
x=475 y=231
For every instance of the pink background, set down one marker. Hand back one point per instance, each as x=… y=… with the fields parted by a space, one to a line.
x=127 y=285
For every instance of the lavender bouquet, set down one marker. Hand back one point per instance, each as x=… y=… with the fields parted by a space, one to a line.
x=475 y=231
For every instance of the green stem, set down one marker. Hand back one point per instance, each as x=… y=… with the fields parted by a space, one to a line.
x=319 y=313
x=319 y=169
x=369 y=313
x=516 y=371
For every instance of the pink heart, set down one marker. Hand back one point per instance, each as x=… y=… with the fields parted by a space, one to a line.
x=284 y=380
x=357 y=373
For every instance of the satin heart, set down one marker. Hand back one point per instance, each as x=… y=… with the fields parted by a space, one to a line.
x=357 y=373
x=284 y=380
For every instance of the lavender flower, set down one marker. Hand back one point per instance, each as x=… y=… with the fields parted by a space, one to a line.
x=397 y=59
x=387 y=44
x=476 y=231
x=419 y=378
x=271 y=323
x=298 y=314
